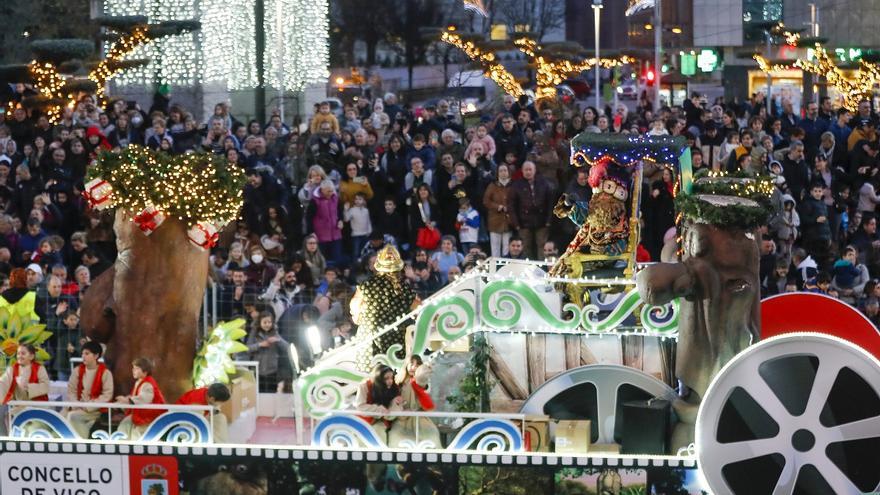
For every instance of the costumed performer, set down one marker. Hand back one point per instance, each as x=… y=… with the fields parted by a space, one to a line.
x=144 y=391
x=379 y=394
x=91 y=381
x=414 y=392
x=378 y=302
x=214 y=396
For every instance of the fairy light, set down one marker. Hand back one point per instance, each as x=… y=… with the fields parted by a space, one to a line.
x=228 y=44
x=174 y=60
x=766 y=66
x=852 y=91
x=298 y=55
x=487 y=60
x=50 y=83
x=110 y=66
x=192 y=188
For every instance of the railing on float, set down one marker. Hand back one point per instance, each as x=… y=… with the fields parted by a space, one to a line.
x=500 y=427
x=47 y=422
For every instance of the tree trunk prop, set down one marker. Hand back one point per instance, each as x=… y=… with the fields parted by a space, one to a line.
x=718 y=282
x=148 y=304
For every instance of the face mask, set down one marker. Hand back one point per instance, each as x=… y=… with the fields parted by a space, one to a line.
x=257 y=258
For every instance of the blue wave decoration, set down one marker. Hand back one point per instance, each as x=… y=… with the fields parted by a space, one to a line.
x=490 y=435
x=180 y=427
x=53 y=425
x=345 y=431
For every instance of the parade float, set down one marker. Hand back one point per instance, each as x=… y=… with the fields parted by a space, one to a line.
x=590 y=374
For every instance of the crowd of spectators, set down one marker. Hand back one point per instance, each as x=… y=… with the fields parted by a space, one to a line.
x=324 y=194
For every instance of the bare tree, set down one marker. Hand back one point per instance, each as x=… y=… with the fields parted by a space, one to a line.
x=542 y=16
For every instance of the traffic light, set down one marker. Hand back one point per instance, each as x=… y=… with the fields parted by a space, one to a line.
x=650 y=77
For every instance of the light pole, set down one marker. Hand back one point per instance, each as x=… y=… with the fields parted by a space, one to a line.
x=658 y=48
x=597 y=18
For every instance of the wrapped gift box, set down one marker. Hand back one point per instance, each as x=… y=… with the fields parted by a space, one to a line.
x=572 y=436
x=242 y=395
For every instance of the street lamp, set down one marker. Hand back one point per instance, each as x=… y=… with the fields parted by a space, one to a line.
x=597 y=10
x=658 y=47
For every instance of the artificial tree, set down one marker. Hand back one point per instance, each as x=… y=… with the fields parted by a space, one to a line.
x=64 y=68
x=168 y=210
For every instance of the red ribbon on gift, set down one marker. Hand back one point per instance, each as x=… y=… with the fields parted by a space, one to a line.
x=90 y=198
x=146 y=220
x=210 y=239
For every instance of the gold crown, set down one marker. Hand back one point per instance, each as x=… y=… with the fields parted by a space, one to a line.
x=388 y=260
x=460 y=194
x=154 y=471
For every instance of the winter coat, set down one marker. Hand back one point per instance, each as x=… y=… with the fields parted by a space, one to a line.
x=325 y=217
x=496 y=194
x=531 y=205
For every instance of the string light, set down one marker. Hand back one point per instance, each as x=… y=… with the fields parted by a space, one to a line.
x=766 y=66
x=551 y=72
x=50 y=83
x=298 y=55
x=173 y=60
x=228 y=44
x=491 y=68
x=193 y=188
x=853 y=92
x=112 y=65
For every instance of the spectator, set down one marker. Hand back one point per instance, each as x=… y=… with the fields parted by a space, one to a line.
x=446 y=258
x=496 y=202
x=267 y=347
x=326 y=222
x=531 y=203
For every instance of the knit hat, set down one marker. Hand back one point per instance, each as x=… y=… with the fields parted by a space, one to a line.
x=388 y=260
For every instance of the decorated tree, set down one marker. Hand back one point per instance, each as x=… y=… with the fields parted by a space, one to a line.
x=168 y=212
x=62 y=68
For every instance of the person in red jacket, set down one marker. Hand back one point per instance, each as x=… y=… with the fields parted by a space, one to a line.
x=91 y=381
x=26 y=379
x=215 y=395
x=145 y=391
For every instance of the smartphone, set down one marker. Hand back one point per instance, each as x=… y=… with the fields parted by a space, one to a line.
x=131 y=105
x=618 y=120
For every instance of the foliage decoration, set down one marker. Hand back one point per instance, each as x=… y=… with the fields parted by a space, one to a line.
x=19 y=324
x=213 y=362
x=198 y=187
x=747 y=205
x=473 y=391
x=59 y=50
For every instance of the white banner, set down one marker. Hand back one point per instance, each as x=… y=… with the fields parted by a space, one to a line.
x=63 y=474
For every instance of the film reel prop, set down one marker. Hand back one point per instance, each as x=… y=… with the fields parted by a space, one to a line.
x=795 y=414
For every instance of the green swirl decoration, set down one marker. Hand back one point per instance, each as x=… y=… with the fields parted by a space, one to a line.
x=661 y=319
x=508 y=301
x=455 y=320
x=624 y=308
x=390 y=358
x=324 y=389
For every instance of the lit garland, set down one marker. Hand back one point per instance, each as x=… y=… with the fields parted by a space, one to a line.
x=193 y=188
x=626 y=151
x=852 y=92
x=766 y=66
x=492 y=69
x=50 y=83
x=550 y=72
x=227 y=40
x=110 y=65
x=756 y=190
x=301 y=55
